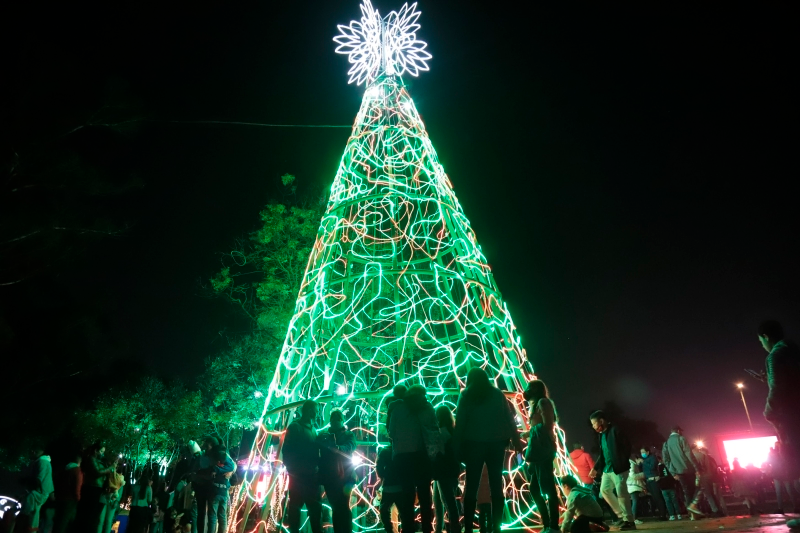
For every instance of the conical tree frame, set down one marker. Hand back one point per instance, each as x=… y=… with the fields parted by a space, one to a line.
x=396 y=290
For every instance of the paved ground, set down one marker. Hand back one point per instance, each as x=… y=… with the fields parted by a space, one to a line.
x=764 y=523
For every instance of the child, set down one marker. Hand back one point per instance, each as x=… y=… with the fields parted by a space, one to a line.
x=391 y=489
x=583 y=513
x=667 y=485
x=484 y=503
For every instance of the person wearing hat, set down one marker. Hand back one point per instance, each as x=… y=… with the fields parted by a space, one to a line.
x=681 y=462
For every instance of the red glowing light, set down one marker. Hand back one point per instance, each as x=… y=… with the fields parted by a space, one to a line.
x=749 y=452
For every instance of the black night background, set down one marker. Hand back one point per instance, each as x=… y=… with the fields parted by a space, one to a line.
x=627 y=171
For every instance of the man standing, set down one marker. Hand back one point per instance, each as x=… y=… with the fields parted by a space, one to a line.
x=681 y=462
x=301 y=458
x=336 y=470
x=39 y=483
x=652 y=477
x=583 y=463
x=223 y=468
x=705 y=483
x=614 y=463
x=783 y=401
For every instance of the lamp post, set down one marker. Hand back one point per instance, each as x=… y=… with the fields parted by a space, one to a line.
x=740 y=386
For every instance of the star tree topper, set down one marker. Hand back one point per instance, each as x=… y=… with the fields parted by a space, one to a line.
x=376 y=44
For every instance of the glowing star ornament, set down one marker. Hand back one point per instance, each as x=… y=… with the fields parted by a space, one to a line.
x=376 y=45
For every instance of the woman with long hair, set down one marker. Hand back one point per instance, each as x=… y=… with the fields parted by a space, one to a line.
x=447 y=470
x=541 y=452
x=484 y=427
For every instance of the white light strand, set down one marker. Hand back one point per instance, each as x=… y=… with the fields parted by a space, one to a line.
x=375 y=45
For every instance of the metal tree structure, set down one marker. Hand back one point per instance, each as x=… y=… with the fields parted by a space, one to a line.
x=396 y=290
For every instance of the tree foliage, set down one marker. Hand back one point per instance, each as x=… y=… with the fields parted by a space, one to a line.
x=261 y=277
x=145 y=423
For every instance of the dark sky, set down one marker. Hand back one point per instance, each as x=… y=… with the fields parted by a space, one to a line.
x=627 y=172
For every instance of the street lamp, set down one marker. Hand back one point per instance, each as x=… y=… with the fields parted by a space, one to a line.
x=740 y=386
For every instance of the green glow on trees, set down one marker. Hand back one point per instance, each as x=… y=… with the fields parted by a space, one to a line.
x=396 y=290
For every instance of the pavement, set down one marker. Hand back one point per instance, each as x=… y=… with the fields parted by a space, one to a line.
x=763 y=523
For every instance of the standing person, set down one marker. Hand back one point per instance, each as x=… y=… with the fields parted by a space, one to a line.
x=681 y=462
x=447 y=471
x=541 y=452
x=583 y=514
x=222 y=470
x=141 y=498
x=705 y=483
x=652 y=475
x=583 y=463
x=636 y=487
x=415 y=441
x=94 y=475
x=301 y=458
x=667 y=484
x=112 y=493
x=201 y=484
x=484 y=427
x=780 y=477
x=39 y=486
x=336 y=470
x=783 y=401
x=614 y=463
x=484 y=503
x=391 y=487
x=68 y=494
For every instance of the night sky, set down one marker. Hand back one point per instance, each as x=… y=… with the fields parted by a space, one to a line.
x=627 y=173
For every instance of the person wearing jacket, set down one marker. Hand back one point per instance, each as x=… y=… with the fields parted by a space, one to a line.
x=681 y=462
x=614 y=464
x=336 y=470
x=90 y=508
x=222 y=468
x=583 y=514
x=390 y=486
x=415 y=442
x=651 y=476
x=637 y=487
x=783 y=400
x=39 y=481
x=301 y=458
x=705 y=483
x=484 y=427
x=68 y=494
x=583 y=463
x=141 y=498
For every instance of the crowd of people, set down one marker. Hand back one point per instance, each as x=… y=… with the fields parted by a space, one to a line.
x=89 y=493
x=426 y=452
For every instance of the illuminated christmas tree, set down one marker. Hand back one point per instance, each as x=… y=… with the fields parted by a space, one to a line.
x=396 y=289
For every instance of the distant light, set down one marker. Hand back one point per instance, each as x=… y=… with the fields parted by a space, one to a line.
x=258 y=394
x=341 y=389
x=357 y=459
x=740 y=385
x=136 y=429
x=699 y=443
x=120 y=456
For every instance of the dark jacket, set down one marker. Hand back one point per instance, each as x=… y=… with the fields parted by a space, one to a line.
x=678 y=455
x=783 y=375
x=484 y=414
x=413 y=426
x=650 y=466
x=666 y=481
x=300 y=450
x=336 y=451
x=620 y=448
x=387 y=469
